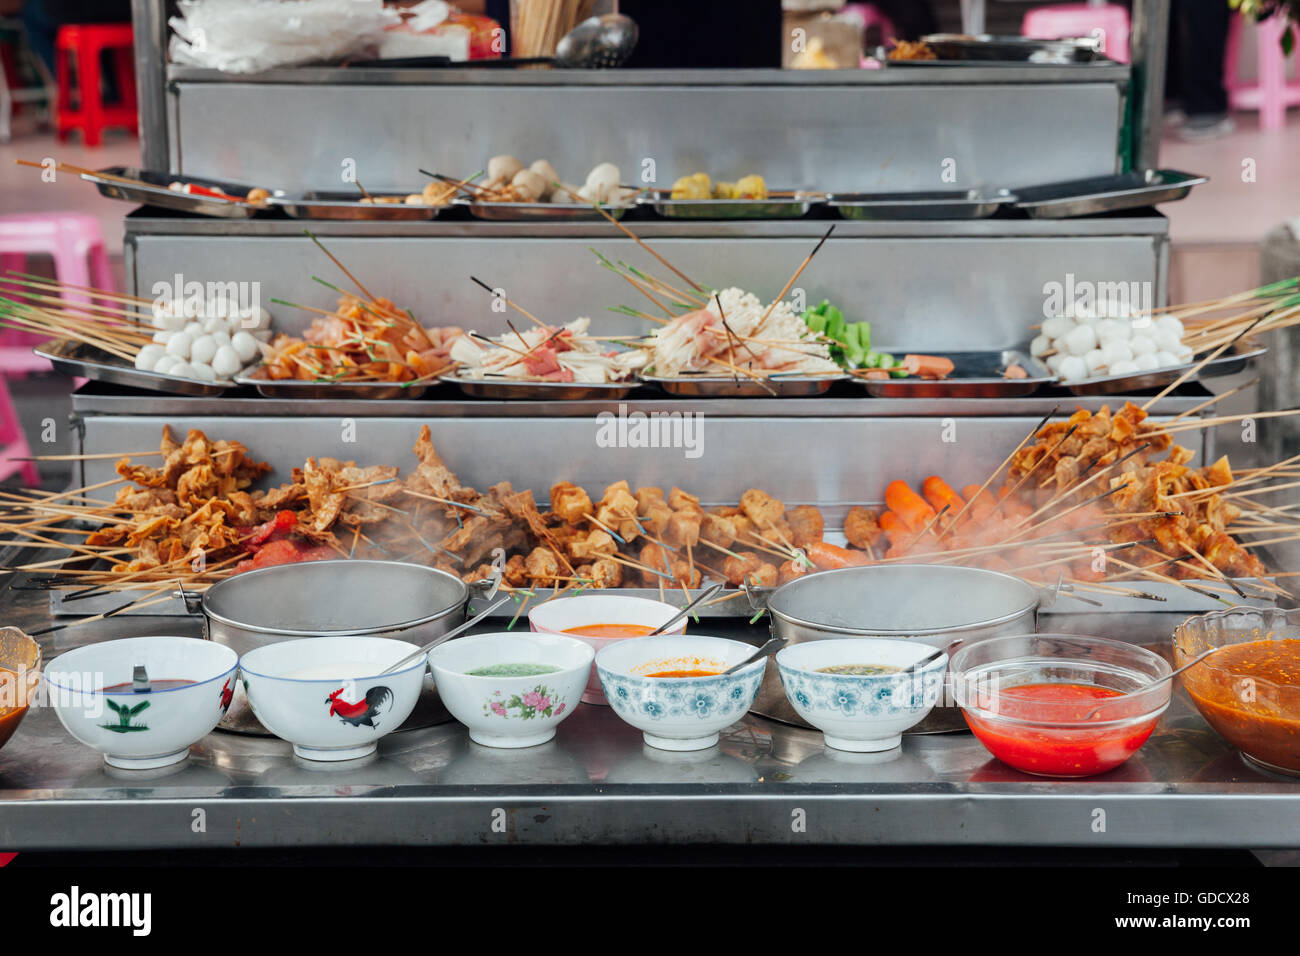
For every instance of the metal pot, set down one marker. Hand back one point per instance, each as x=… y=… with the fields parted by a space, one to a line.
x=932 y=603
x=408 y=602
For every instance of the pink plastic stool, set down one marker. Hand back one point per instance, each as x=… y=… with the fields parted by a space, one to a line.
x=13 y=442
x=74 y=242
x=1081 y=20
x=1273 y=93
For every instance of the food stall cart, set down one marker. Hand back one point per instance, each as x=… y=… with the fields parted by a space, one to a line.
x=947 y=284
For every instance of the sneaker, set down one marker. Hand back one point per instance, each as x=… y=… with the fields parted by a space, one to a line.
x=1173 y=117
x=1206 y=126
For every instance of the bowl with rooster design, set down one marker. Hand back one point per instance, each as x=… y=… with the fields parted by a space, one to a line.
x=511 y=689
x=191 y=683
x=688 y=708
x=861 y=712
x=328 y=696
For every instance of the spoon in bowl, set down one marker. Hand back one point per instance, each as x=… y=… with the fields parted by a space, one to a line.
x=771 y=647
x=416 y=655
x=1170 y=676
x=930 y=658
x=704 y=596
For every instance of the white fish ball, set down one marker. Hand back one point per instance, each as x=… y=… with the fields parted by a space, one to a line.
x=1117 y=350
x=1039 y=345
x=179 y=345
x=1123 y=367
x=221 y=337
x=1146 y=362
x=603 y=174
x=194 y=328
x=245 y=347
x=1081 y=340
x=255 y=318
x=226 y=362
x=1185 y=354
x=262 y=335
x=1073 y=368
x=164 y=365
x=1054 y=363
x=148 y=357
x=182 y=370
x=212 y=323
x=1095 y=360
x=1142 y=345
x=1166 y=340
x=166 y=317
x=1057 y=326
x=1106 y=328
x=1166 y=359
x=201 y=352
x=163 y=337
x=1172 y=323
x=203 y=373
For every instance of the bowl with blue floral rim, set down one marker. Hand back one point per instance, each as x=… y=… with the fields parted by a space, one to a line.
x=672 y=689
x=855 y=691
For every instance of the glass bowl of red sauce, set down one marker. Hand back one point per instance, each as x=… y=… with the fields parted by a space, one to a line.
x=1060 y=705
x=1249 y=689
x=20 y=672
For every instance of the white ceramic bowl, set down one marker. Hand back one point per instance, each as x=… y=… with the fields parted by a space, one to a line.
x=860 y=713
x=142 y=731
x=511 y=711
x=679 y=713
x=325 y=695
x=556 y=617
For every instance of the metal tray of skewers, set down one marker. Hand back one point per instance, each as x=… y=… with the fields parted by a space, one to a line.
x=780 y=204
x=79 y=360
x=306 y=390
x=1099 y=194
x=351 y=206
x=960 y=49
x=738 y=386
x=153 y=191
x=974 y=375
x=931 y=204
x=516 y=389
x=543 y=211
x=1231 y=362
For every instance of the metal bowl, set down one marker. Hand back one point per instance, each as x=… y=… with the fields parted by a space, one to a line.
x=932 y=603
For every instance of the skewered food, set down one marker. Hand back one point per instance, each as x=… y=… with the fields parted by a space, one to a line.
x=205 y=341
x=545 y=354
x=700 y=186
x=509 y=180
x=1087 y=344
x=911 y=50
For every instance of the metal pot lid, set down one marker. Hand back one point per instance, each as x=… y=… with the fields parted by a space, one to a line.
x=334 y=598
x=910 y=599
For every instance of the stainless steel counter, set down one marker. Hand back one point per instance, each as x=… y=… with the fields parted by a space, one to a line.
x=597 y=784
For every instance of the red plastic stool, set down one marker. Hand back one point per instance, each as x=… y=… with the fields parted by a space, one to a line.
x=84 y=42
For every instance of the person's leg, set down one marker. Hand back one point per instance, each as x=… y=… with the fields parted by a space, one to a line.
x=1205 y=37
x=41 y=29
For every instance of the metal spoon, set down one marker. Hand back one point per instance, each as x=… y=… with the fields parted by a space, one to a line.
x=930 y=658
x=415 y=655
x=704 y=596
x=1170 y=676
x=597 y=43
x=771 y=647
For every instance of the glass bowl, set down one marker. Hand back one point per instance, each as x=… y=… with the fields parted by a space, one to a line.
x=1251 y=693
x=1060 y=705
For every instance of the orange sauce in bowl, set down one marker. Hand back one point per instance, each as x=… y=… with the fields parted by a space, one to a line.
x=684 y=674
x=610 y=630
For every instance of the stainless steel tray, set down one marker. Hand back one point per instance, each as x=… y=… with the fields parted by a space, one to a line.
x=350 y=205
x=1227 y=364
x=975 y=375
x=957 y=49
x=156 y=193
x=1086 y=197
x=299 y=389
x=933 y=204
x=776 y=207
x=80 y=360
x=541 y=211
x=739 y=386
x=516 y=389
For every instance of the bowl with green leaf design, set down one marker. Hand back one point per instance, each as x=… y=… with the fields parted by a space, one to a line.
x=187 y=685
x=511 y=689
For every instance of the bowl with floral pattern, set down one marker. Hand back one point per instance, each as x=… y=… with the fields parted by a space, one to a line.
x=672 y=689
x=854 y=692
x=511 y=689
